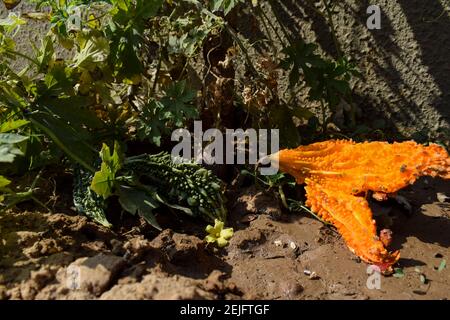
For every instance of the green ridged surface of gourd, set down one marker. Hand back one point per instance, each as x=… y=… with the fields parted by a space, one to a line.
x=184 y=183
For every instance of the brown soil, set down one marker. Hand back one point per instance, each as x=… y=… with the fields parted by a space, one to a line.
x=272 y=255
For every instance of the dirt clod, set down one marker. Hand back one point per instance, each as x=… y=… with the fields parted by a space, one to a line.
x=254 y=201
x=93 y=274
x=63 y=256
x=159 y=287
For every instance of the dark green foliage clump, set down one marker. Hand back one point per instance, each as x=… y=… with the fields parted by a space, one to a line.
x=187 y=184
x=146 y=182
x=85 y=200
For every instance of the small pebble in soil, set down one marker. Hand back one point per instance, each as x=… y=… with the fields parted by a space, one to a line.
x=278 y=243
x=313 y=276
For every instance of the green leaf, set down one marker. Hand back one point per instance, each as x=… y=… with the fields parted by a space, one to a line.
x=157 y=197
x=74 y=110
x=226 y=5
x=45 y=54
x=178 y=103
x=11 y=138
x=11 y=125
x=151 y=124
x=147 y=8
x=4 y=182
x=12 y=22
x=160 y=117
x=104 y=180
x=301 y=57
x=121 y=4
x=94 y=51
x=215 y=4
x=116 y=160
x=58 y=80
x=8 y=153
x=125 y=46
x=75 y=142
x=138 y=202
x=8 y=148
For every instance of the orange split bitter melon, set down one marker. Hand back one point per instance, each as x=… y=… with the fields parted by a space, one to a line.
x=338 y=174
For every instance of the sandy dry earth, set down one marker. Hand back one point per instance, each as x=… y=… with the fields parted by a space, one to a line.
x=65 y=256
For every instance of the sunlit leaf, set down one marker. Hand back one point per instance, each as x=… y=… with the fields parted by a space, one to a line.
x=11 y=22
x=95 y=50
x=8 y=153
x=11 y=138
x=104 y=179
x=11 y=125
x=4 y=182
x=226 y=5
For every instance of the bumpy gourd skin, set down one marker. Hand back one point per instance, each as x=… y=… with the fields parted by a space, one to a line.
x=184 y=183
x=339 y=173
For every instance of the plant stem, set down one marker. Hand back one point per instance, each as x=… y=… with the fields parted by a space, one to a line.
x=301 y=206
x=263 y=21
x=235 y=37
x=158 y=70
x=333 y=28
x=61 y=145
x=269 y=22
x=283 y=196
x=22 y=56
x=40 y=203
x=280 y=23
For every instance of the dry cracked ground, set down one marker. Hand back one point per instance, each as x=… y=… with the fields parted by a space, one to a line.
x=273 y=255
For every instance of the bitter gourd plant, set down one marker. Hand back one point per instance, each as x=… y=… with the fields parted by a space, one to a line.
x=185 y=183
x=144 y=183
